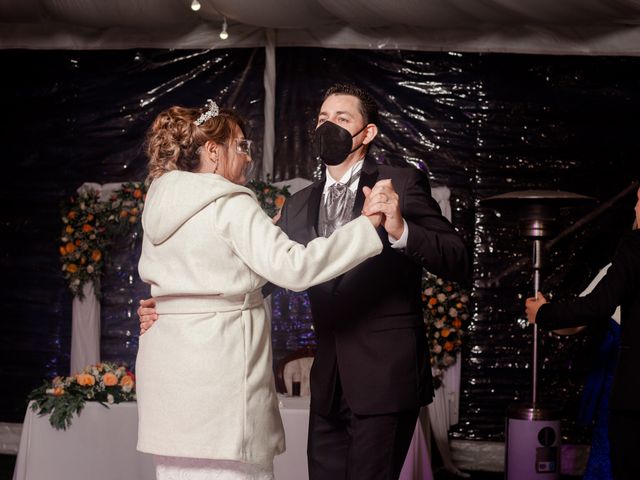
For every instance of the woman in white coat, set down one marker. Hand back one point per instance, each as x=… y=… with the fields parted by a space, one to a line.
x=206 y=399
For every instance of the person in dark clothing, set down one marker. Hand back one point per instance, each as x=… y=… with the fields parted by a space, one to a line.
x=620 y=287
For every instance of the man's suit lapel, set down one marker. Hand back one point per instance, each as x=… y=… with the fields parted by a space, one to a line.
x=313 y=208
x=368 y=178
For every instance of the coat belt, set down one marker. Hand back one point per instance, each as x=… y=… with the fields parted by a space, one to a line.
x=208 y=303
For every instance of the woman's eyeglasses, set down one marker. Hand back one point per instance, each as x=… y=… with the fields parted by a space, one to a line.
x=244 y=146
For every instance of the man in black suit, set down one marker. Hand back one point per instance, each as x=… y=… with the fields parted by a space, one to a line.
x=372 y=371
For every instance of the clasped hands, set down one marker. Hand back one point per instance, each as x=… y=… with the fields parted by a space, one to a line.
x=383 y=204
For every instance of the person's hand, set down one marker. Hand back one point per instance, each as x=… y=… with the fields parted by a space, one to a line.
x=147 y=314
x=532 y=305
x=374 y=218
x=276 y=217
x=384 y=199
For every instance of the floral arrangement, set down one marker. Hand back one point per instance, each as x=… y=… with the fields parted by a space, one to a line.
x=446 y=311
x=271 y=198
x=88 y=227
x=83 y=240
x=126 y=206
x=62 y=397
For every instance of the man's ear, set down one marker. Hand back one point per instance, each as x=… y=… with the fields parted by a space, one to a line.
x=372 y=131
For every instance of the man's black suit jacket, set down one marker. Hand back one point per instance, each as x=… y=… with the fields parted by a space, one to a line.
x=620 y=286
x=368 y=323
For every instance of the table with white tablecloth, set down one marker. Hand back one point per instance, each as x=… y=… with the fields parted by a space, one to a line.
x=101 y=445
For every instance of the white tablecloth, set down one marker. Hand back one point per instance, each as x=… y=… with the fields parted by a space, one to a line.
x=101 y=445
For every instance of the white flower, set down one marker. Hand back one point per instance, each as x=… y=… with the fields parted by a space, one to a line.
x=464 y=298
x=441 y=297
x=110 y=398
x=65 y=220
x=75 y=282
x=127 y=388
x=65 y=239
x=453 y=312
x=437 y=349
x=64 y=267
x=89 y=268
x=428 y=292
x=436 y=335
x=82 y=206
x=439 y=281
x=440 y=309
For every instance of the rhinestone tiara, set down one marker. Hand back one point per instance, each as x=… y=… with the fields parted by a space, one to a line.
x=212 y=111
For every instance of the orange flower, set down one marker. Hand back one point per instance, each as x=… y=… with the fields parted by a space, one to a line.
x=456 y=323
x=123 y=213
x=72 y=214
x=58 y=391
x=279 y=201
x=445 y=332
x=78 y=243
x=126 y=381
x=72 y=268
x=110 y=379
x=134 y=211
x=85 y=380
x=137 y=193
x=86 y=228
x=69 y=229
x=96 y=255
x=448 y=346
x=433 y=301
x=70 y=247
x=133 y=219
x=83 y=260
x=90 y=217
x=63 y=250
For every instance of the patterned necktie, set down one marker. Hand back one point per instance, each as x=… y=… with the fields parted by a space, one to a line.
x=337 y=207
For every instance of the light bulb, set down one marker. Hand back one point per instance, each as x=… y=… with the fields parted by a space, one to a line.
x=195 y=5
x=223 y=33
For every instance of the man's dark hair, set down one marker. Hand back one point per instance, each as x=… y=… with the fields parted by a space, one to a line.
x=368 y=106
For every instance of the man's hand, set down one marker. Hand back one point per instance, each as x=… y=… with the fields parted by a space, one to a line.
x=374 y=218
x=532 y=305
x=147 y=314
x=382 y=198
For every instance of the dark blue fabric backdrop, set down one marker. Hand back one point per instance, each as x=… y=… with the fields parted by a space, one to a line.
x=480 y=124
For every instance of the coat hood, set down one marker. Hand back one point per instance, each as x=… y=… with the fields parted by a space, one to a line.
x=177 y=196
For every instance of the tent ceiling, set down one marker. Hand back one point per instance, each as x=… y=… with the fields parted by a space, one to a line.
x=87 y=23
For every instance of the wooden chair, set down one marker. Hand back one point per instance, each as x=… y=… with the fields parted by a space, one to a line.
x=297 y=363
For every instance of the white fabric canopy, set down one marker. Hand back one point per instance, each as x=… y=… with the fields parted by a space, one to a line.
x=588 y=27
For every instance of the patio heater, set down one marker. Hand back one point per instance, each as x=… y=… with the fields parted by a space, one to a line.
x=532 y=431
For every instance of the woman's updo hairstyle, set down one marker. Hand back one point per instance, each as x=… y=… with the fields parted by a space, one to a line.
x=174 y=140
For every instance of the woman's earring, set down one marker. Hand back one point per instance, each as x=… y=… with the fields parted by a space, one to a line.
x=215 y=164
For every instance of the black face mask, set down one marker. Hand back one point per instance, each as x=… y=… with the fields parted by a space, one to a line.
x=332 y=143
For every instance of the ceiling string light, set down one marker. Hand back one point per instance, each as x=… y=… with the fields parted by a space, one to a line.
x=195 y=5
x=223 y=33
